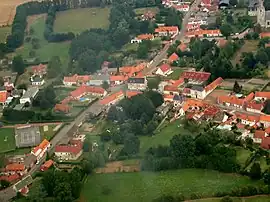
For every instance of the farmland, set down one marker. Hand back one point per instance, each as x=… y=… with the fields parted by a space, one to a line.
x=79 y=20
x=145 y=186
x=7 y=139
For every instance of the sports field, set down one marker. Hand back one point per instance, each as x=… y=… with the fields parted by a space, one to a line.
x=145 y=186
x=79 y=20
x=7 y=139
x=4 y=32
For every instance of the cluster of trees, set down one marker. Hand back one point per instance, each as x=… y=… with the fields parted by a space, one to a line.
x=205 y=151
x=169 y=16
x=49 y=35
x=134 y=117
x=45 y=98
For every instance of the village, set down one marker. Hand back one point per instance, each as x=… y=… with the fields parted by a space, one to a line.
x=58 y=137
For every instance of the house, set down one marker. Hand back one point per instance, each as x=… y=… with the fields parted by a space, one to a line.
x=265 y=120
x=99 y=79
x=132 y=70
x=262 y=96
x=183 y=47
x=15 y=168
x=230 y=101
x=10 y=178
x=27 y=136
x=223 y=4
x=118 y=79
x=164 y=70
x=137 y=83
x=205 y=3
x=130 y=94
x=197 y=92
x=72 y=151
x=253 y=6
x=76 y=80
x=258 y=136
x=62 y=108
x=212 y=86
x=168 y=97
x=112 y=99
x=265 y=143
x=173 y=57
x=39 y=70
x=46 y=165
x=181 y=7
x=149 y=15
x=41 y=149
x=192 y=27
x=254 y=107
x=37 y=80
x=171 y=90
x=178 y=100
x=142 y=37
x=264 y=35
x=29 y=95
x=3 y=97
x=22 y=185
x=246 y=119
x=263 y=16
x=204 y=33
x=195 y=77
x=167 y=31
x=88 y=90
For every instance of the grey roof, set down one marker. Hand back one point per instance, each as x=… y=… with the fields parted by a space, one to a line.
x=29 y=160
x=18 y=107
x=37 y=79
x=103 y=77
x=224 y=2
x=136 y=80
x=253 y=3
x=267 y=15
x=179 y=98
x=30 y=92
x=197 y=88
x=24 y=182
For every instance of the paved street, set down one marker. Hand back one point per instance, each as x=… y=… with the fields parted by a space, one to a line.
x=163 y=53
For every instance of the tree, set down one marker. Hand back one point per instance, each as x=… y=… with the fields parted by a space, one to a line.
x=236 y=87
x=131 y=144
x=266 y=177
x=155 y=97
x=262 y=57
x=233 y=2
x=255 y=171
x=54 y=67
x=105 y=85
x=4 y=184
x=87 y=61
x=1 y=81
x=37 y=194
x=266 y=108
x=18 y=64
x=226 y=30
x=63 y=192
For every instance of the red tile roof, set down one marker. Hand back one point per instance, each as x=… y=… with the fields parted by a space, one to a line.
x=118 y=78
x=77 y=78
x=166 y=29
x=10 y=178
x=206 y=2
x=214 y=84
x=62 y=107
x=168 y=97
x=3 y=96
x=264 y=34
x=48 y=163
x=171 y=88
x=211 y=110
x=249 y=97
x=82 y=90
x=265 y=118
x=39 y=68
x=253 y=105
x=247 y=117
x=259 y=134
x=145 y=37
x=192 y=103
x=182 y=47
x=267 y=130
x=72 y=148
x=173 y=57
x=111 y=98
x=130 y=94
x=201 y=33
x=199 y=76
x=263 y=94
x=45 y=143
x=178 y=82
x=15 y=167
x=265 y=143
x=165 y=68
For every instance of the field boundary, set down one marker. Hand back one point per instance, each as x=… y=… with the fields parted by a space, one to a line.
x=233 y=197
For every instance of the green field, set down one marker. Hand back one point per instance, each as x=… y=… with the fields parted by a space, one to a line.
x=242 y=155
x=141 y=11
x=162 y=137
x=145 y=186
x=7 y=139
x=49 y=133
x=79 y=20
x=46 y=50
x=177 y=71
x=4 y=32
x=236 y=199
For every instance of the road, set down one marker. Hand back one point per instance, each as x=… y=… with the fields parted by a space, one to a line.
x=163 y=53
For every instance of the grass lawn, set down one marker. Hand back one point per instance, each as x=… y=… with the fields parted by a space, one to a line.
x=79 y=20
x=62 y=93
x=238 y=199
x=46 y=50
x=145 y=186
x=7 y=139
x=20 y=151
x=49 y=133
x=141 y=11
x=4 y=32
x=242 y=155
x=162 y=137
x=177 y=71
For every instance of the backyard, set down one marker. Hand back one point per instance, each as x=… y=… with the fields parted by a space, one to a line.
x=79 y=20
x=4 y=32
x=7 y=139
x=145 y=186
x=177 y=71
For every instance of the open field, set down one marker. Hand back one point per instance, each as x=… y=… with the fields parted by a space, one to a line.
x=238 y=199
x=62 y=93
x=8 y=10
x=162 y=137
x=242 y=155
x=177 y=71
x=4 y=32
x=79 y=20
x=141 y=11
x=145 y=186
x=7 y=139
x=46 y=50
x=49 y=133
x=249 y=46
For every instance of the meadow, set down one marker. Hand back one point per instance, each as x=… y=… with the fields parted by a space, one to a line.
x=4 y=32
x=145 y=186
x=238 y=199
x=79 y=20
x=7 y=139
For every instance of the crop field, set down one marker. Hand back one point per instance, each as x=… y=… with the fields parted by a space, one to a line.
x=79 y=20
x=145 y=186
x=7 y=139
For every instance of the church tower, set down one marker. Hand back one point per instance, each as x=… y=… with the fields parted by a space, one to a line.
x=261 y=14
